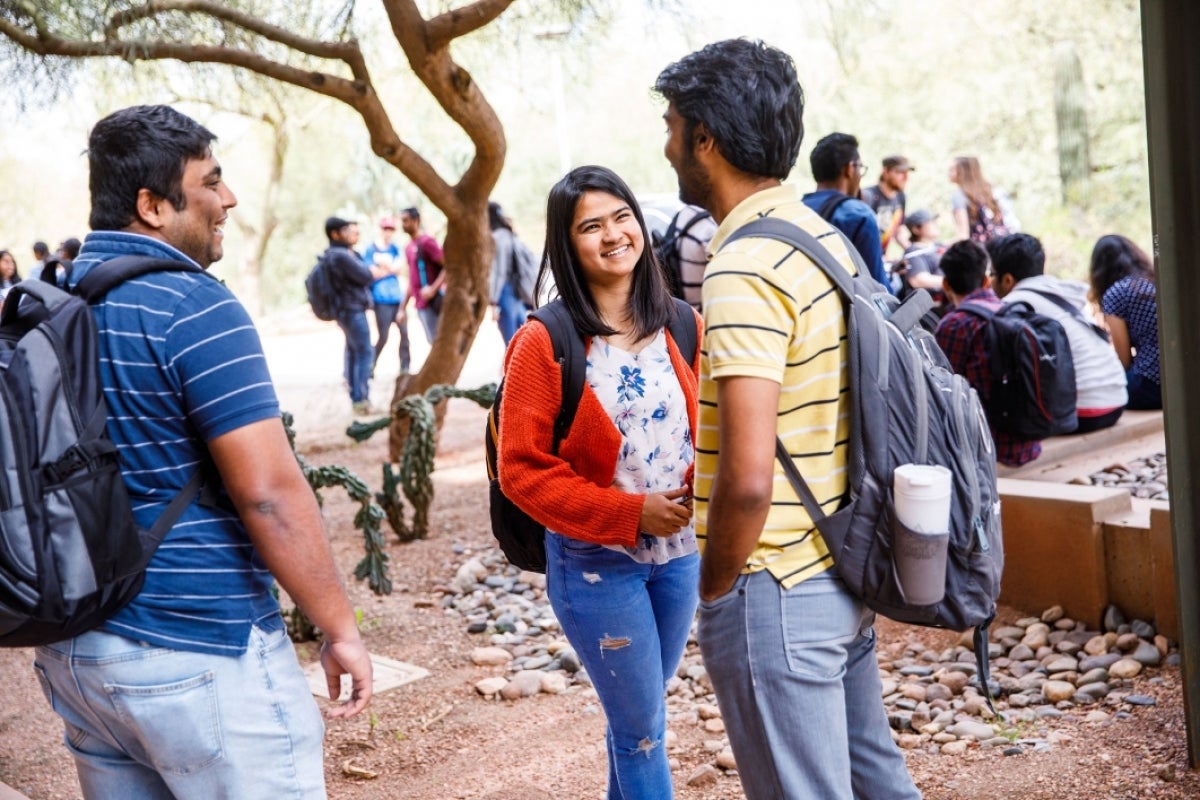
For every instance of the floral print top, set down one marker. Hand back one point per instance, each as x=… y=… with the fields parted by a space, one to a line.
x=641 y=392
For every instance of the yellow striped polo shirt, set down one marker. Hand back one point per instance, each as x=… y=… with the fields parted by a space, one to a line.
x=769 y=312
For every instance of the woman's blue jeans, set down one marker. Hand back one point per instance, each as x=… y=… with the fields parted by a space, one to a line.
x=629 y=624
x=513 y=313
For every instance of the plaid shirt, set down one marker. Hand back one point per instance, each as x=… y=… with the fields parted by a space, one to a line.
x=960 y=336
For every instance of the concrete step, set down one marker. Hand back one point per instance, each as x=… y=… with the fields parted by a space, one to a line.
x=1136 y=434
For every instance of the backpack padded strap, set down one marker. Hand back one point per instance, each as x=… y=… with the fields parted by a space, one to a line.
x=572 y=361
x=784 y=231
x=831 y=205
x=799 y=485
x=983 y=312
x=170 y=515
x=102 y=278
x=683 y=330
x=911 y=311
x=1065 y=305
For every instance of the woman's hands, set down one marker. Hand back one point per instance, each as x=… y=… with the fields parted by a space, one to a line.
x=666 y=513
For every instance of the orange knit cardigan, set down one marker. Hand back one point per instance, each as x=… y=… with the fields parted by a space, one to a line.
x=571 y=492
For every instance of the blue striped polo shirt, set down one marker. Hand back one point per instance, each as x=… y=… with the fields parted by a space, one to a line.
x=182 y=364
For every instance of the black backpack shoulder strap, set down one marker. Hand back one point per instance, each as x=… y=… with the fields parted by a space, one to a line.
x=105 y=277
x=1065 y=305
x=983 y=312
x=572 y=361
x=682 y=328
x=100 y=280
x=831 y=204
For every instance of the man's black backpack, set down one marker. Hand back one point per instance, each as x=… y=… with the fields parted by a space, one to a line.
x=522 y=538
x=1032 y=390
x=906 y=407
x=321 y=290
x=666 y=247
x=72 y=554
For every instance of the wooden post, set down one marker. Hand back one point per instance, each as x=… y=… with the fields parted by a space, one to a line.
x=1170 y=30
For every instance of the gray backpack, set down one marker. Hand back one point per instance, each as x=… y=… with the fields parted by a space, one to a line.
x=71 y=554
x=907 y=407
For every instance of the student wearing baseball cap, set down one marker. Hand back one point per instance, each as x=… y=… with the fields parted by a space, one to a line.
x=886 y=199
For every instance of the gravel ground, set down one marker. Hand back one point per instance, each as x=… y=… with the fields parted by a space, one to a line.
x=439 y=738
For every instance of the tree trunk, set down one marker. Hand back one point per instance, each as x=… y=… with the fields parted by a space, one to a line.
x=468 y=253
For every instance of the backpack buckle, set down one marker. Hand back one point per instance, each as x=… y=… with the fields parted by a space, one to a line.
x=73 y=459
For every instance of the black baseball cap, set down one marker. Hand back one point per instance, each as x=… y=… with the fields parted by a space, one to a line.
x=336 y=224
x=919 y=217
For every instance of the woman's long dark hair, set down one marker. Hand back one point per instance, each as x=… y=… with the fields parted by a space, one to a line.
x=1115 y=257
x=650 y=303
x=16 y=276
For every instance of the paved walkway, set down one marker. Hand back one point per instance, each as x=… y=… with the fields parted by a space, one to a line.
x=305 y=358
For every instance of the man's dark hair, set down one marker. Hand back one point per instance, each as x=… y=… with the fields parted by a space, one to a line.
x=831 y=155
x=411 y=212
x=747 y=96
x=965 y=265
x=41 y=250
x=496 y=218
x=70 y=248
x=1017 y=254
x=650 y=300
x=141 y=147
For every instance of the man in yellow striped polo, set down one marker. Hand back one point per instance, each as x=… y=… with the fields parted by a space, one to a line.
x=790 y=651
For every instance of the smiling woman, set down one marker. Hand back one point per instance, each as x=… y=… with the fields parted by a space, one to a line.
x=621 y=557
x=609 y=241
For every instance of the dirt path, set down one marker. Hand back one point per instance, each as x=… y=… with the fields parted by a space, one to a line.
x=436 y=738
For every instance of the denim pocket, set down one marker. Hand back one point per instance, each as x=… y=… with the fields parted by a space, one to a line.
x=820 y=618
x=578 y=547
x=734 y=592
x=177 y=722
x=47 y=689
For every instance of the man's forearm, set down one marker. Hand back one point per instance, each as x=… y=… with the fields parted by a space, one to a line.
x=735 y=522
x=290 y=538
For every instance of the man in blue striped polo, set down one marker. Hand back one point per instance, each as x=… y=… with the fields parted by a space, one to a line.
x=193 y=689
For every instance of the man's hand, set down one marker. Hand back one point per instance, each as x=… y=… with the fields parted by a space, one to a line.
x=341 y=658
x=427 y=292
x=663 y=514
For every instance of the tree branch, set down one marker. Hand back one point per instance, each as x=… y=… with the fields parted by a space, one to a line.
x=443 y=28
x=313 y=47
x=46 y=44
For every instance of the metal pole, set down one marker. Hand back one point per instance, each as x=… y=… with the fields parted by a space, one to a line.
x=1171 y=59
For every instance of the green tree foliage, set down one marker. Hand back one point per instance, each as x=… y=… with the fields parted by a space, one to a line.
x=318 y=52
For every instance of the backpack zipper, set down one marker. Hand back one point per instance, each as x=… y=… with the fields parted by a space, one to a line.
x=959 y=397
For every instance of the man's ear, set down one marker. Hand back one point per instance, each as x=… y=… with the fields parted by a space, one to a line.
x=149 y=208
x=702 y=140
x=987 y=282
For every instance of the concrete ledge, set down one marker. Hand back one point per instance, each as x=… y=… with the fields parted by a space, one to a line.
x=1137 y=433
x=9 y=793
x=1085 y=547
x=1054 y=548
